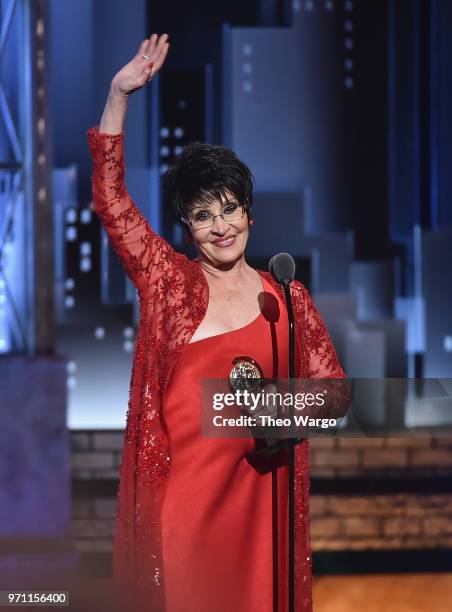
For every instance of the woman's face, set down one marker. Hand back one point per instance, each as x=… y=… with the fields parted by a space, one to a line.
x=223 y=242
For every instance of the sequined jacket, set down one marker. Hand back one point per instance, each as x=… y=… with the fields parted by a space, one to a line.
x=173 y=297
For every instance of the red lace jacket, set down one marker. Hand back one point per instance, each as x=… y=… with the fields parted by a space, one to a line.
x=173 y=296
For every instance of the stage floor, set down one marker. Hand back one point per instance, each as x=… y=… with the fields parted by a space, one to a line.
x=87 y=578
x=383 y=593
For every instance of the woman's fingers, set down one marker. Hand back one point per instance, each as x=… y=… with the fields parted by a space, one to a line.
x=160 y=58
x=163 y=40
x=152 y=41
x=155 y=44
x=270 y=405
x=156 y=48
x=142 y=48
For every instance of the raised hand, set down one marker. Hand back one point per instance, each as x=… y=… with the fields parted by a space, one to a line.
x=139 y=71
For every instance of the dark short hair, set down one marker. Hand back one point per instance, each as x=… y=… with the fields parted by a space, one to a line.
x=203 y=173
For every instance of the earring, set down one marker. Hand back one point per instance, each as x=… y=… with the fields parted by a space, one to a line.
x=251 y=222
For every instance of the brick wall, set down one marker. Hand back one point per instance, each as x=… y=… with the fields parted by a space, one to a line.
x=353 y=457
x=96 y=454
x=93 y=522
x=339 y=520
x=379 y=522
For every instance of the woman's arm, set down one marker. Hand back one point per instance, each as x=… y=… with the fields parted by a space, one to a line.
x=322 y=363
x=318 y=349
x=142 y=252
x=114 y=115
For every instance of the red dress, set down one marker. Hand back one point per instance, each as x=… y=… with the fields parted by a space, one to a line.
x=173 y=296
x=217 y=514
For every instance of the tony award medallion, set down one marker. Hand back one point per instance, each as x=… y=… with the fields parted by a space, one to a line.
x=246 y=374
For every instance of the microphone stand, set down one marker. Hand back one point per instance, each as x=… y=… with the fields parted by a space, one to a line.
x=288 y=298
x=284 y=275
x=288 y=443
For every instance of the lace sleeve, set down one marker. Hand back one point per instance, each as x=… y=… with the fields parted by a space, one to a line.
x=319 y=353
x=142 y=252
x=321 y=362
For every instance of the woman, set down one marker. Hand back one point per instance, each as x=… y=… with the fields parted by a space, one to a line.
x=194 y=524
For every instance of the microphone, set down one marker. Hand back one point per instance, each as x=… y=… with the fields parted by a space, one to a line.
x=282 y=268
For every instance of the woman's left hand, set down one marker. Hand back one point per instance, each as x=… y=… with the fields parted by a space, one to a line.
x=269 y=407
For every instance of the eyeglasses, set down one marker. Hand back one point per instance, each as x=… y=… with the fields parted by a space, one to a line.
x=233 y=211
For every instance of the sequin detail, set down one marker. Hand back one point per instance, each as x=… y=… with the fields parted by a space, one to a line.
x=173 y=301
